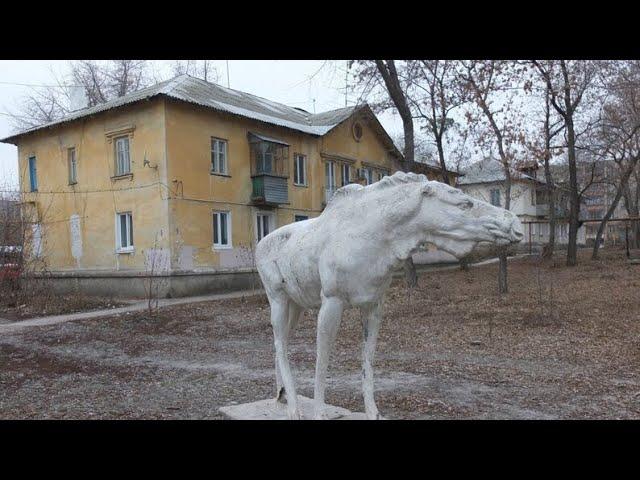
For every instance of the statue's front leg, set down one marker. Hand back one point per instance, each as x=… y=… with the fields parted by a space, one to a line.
x=371 y=319
x=328 y=323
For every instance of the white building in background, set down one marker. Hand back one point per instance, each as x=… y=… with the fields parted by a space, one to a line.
x=484 y=180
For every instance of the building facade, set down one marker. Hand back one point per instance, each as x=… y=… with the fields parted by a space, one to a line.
x=529 y=199
x=181 y=180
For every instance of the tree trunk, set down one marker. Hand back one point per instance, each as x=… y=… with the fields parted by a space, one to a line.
x=631 y=206
x=619 y=192
x=551 y=244
x=443 y=168
x=574 y=199
x=389 y=74
x=410 y=274
x=503 y=286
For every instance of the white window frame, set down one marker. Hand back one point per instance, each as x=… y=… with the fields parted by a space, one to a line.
x=129 y=234
x=345 y=167
x=120 y=169
x=272 y=224
x=216 y=217
x=216 y=143
x=73 y=165
x=296 y=171
x=368 y=174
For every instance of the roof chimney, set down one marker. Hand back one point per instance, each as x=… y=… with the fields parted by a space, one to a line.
x=77 y=98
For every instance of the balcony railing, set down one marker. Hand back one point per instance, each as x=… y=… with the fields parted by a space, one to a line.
x=542 y=210
x=269 y=190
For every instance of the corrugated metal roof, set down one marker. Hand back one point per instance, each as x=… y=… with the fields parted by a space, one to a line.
x=196 y=91
x=260 y=137
x=490 y=170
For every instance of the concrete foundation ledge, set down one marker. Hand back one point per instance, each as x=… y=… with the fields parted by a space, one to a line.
x=271 y=410
x=123 y=284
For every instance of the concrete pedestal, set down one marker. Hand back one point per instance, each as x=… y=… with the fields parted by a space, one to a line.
x=271 y=410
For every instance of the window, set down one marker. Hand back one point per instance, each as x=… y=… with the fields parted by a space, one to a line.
x=36 y=240
x=73 y=166
x=330 y=175
x=495 y=197
x=221 y=230
x=264 y=224
x=299 y=169
x=346 y=174
x=533 y=196
x=380 y=175
x=123 y=160
x=124 y=232
x=367 y=174
x=218 y=156
x=300 y=218
x=33 y=174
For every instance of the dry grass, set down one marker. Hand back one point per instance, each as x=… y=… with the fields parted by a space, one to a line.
x=456 y=349
x=36 y=301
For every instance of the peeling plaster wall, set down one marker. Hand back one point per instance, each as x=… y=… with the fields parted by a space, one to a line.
x=79 y=220
x=197 y=193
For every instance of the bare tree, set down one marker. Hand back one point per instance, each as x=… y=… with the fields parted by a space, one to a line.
x=157 y=263
x=544 y=149
x=101 y=81
x=203 y=69
x=631 y=196
x=435 y=94
x=620 y=133
x=384 y=73
x=569 y=82
x=488 y=83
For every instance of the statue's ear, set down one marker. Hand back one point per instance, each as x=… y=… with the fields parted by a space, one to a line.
x=428 y=190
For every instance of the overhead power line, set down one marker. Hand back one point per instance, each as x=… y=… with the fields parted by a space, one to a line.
x=38 y=85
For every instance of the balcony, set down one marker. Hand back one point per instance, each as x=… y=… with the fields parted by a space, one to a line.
x=542 y=210
x=269 y=190
x=269 y=170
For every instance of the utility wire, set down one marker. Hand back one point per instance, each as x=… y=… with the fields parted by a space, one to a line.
x=38 y=85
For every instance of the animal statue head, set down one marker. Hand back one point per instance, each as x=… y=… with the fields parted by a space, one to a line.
x=460 y=224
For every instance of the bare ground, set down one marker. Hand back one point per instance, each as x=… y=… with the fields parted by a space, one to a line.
x=564 y=343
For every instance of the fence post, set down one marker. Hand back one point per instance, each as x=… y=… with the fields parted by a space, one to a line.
x=626 y=237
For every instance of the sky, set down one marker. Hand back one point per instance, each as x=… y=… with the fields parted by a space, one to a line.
x=309 y=84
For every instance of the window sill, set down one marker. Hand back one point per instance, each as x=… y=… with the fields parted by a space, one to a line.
x=300 y=185
x=217 y=174
x=122 y=177
x=222 y=247
x=71 y=184
x=127 y=250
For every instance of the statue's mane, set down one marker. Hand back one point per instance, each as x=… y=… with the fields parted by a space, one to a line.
x=355 y=190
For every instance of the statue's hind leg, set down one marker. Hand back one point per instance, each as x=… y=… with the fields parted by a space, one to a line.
x=295 y=313
x=280 y=324
x=328 y=323
x=371 y=319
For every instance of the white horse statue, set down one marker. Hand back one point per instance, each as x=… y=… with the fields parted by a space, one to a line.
x=346 y=258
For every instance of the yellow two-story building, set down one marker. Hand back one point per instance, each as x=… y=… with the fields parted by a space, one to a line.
x=181 y=180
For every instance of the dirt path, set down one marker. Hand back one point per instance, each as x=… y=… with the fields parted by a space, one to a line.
x=142 y=305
